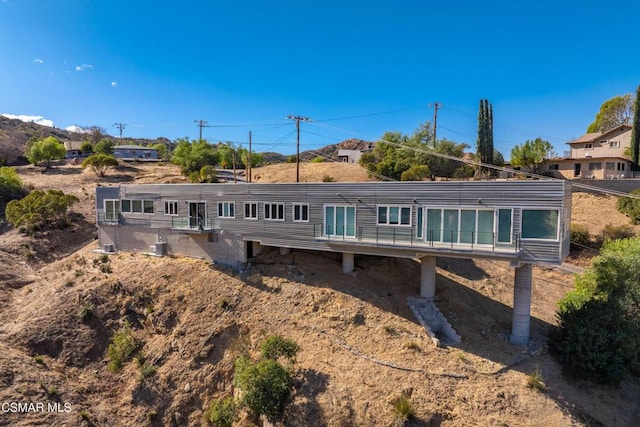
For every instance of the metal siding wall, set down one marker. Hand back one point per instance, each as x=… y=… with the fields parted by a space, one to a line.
x=490 y=194
x=104 y=193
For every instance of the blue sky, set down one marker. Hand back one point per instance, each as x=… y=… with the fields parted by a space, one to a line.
x=546 y=67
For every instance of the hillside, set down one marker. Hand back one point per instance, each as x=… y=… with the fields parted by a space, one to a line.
x=360 y=345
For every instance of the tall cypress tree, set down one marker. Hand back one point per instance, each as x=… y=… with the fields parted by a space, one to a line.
x=484 y=144
x=635 y=132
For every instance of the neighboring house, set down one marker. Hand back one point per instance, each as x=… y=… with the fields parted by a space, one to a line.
x=73 y=149
x=135 y=152
x=350 y=156
x=599 y=155
x=522 y=222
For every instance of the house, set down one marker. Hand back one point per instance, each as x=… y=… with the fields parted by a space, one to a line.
x=135 y=152
x=522 y=222
x=349 y=156
x=599 y=155
x=73 y=149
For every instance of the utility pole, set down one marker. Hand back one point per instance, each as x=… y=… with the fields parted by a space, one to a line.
x=121 y=127
x=250 y=161
x=201 y=124
x=298 y=119
x=435 y=105
x=233 y=155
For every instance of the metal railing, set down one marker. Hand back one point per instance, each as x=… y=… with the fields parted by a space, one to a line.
x=409 y=237
x=190 y=223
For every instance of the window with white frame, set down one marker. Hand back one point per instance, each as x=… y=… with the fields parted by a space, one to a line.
x=250 y=210
x=621 y=166
x=226 y=210
x=588 y=146
x=171 y=207
x=300 y=212
x=394 y=215
x=614 y=144
x=111 y=210
x=274 y=211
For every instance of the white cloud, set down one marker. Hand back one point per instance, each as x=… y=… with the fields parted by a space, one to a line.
x=34 y=119
x=77 y=129
x=114 y=84
x=38 y=61
x=84 y=67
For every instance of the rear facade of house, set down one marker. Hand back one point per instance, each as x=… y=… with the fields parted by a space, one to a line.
x=522 y=222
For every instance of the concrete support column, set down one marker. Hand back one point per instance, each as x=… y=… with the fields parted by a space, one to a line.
x=521 y=306
x=284 y=251
x=428 y=277
x=347 y=262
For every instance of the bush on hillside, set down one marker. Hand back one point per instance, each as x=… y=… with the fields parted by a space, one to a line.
x=616 y=232
x=579 y=234
x=630 y=207
x=10 y=186
x=598 y=336
x=39 y=210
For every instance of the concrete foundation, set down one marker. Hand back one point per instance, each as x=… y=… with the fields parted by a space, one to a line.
x=347 y=262
x=428 y=277
x=521 y=323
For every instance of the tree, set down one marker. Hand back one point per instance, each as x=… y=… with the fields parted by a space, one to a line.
x=531 y=154
x=192 y=156
x=45 y=150
x=100 y=163
x=613 y=112
x=39 y=209
x=105 y=146
x=635 y=131
x=86 y=147
x=484 y=143
x=598 y=336
x=416 y=173
x=163 y=153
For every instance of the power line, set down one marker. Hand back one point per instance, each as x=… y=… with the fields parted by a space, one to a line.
x=298 y=119
x=370 y=114
x=436 y=105
x=200 y=124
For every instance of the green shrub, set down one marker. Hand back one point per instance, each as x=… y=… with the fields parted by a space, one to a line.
x=265 y=386
x=10 y=186
x=328 y=178
x=122 y=348
x=616 y=232
x=579 y=234
x=535 y=380
x=45 y=150
x=86 y=313
x=146 y=371
x=277 y=346
x=402 y=406
x=221 y=413
x=630 y=207
x=38 y=359
x=100 y=163
x=416 y=173
x=40 y=209
x=317 y=160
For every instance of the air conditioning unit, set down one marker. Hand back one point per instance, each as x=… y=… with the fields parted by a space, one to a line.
x=152 y=249
x=108 y=248
x=160 y=248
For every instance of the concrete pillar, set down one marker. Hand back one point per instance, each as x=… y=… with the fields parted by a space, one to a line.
x=521 y=306
x=347 y=262
x=284 y=251
x=428 y=277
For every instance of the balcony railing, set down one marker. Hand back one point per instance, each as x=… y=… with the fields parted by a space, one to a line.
x=408 y=237
x=192 y=224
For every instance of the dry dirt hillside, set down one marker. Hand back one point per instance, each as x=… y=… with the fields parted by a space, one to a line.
x=359 y=343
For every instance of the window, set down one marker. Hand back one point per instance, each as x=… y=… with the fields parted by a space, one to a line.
x=610 y=166
x=614 y=144
x=621 y=166
x=394 y=215
x=554 y=167
x=340 y=220
x=274 y=211
x=138 y=206
x=504 y=225
x=419 y=220
x=540 y=224
x=588 y=146
x=472 y=226
x=171 y=207
x=251 y=210
x=226 y=210
x=300 y=212
x=111 y=210
x=595 y=166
